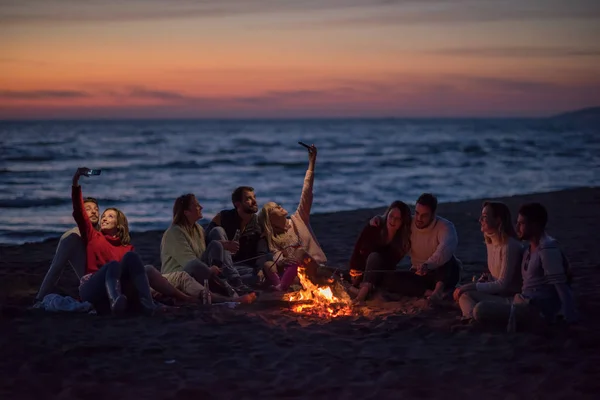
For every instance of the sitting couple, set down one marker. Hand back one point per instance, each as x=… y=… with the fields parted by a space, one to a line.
x=429 y=239
x=533 y=284
x=112 y=276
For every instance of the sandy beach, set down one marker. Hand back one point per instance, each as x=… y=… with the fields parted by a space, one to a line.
x=403 y=349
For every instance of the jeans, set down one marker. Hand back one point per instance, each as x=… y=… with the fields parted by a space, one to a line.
x=129 y=271
x=70 y=250
x=408 y=283
x=243 y=272
x=468 y=300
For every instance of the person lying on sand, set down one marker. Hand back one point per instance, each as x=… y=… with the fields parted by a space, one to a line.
x=546 y=276
x=288 y=241
x=379 y=249
x=242 y=250
x=504 y=255
x=70 y=251
x=433 y=240
x=183 y=253
x=112 y=267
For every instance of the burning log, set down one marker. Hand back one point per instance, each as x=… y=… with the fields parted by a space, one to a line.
x=319 y=300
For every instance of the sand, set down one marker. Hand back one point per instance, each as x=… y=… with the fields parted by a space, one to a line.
x=404 y=349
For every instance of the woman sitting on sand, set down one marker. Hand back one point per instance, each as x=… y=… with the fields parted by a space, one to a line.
x=112 y=268
x=291 y=240
x=186 y=258
x=379 y=249
x=504 y=254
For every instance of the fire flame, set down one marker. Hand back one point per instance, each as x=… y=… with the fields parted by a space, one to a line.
x=321 y=300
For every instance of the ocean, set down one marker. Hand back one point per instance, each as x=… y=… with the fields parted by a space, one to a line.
x=361 y=163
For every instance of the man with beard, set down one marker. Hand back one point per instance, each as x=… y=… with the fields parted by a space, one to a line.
x=433 y=240
x=70 y=250
x=242 y=251
x=546 y=290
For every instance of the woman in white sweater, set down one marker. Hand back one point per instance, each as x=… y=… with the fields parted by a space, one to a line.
x=290 y=241
x=504 y=254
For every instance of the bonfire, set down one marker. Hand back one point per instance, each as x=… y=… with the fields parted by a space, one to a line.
x=319 y=300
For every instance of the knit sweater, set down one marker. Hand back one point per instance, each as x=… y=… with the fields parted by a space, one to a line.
x=300 y=222
x=100 y=248
x=179 y=246
x=504 y=264
x=434 y=245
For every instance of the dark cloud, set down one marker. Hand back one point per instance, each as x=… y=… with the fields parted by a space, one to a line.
x=42 y=94
x=24 y=11
x=140 y=92
x=494 y=84
x=391 y=95
x=277 y=96
x=517 y=52
x=384 y=12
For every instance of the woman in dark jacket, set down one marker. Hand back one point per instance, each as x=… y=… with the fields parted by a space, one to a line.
x=380 y=249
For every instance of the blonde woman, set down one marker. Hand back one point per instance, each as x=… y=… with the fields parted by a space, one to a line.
x=290 y=240
x=115 y=278
x=504 y=254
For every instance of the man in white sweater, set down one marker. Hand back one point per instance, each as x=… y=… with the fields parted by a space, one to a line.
x=434 y=268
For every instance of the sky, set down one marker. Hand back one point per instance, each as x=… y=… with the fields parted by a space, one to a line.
x=72 y=59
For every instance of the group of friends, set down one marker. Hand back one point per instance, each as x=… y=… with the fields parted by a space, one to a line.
x=244 y=248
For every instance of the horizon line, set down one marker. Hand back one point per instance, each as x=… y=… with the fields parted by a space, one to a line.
x=304 y=118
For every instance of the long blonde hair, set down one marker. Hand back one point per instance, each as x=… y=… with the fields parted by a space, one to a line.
x=122 y=226
x=506 y=228
x=275 y=243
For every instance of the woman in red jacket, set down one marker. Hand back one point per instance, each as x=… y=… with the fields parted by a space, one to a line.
x=112 y=267
x=379 y=249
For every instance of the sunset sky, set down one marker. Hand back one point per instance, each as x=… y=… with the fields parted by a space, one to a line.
x=297 y=58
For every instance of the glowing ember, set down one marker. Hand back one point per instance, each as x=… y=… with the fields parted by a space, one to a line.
x=320 y=300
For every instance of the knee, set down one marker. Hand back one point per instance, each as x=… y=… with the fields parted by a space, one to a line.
x=478 y=312
x=151 y=271
x=195 y=266
x=270 y=266
x=215 y=245
x=133 y=262
x=374 y=260
x=217 y=233
x=465 y=297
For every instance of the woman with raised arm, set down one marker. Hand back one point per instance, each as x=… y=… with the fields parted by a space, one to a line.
x=379 y=249
x=115 y=278
x=504 y=255
x=290 y=241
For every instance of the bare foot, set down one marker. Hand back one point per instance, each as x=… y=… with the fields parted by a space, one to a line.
x=247 y=298
x=436 y=295
x=358 y=303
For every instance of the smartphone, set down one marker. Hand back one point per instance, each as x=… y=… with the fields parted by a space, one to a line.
x=304 y=144
x=94 y=172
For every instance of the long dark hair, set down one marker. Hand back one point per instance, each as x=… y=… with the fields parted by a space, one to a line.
x=402 y=236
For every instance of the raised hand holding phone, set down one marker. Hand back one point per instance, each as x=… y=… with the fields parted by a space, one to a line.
x=84 y=171
x=312 y=154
